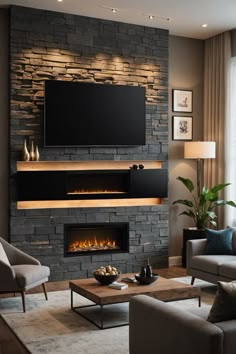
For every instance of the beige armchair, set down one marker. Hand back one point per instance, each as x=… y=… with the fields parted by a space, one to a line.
x=19 y=271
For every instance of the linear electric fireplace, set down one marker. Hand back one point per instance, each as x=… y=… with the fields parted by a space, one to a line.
x=84 y=239
x=94 y=184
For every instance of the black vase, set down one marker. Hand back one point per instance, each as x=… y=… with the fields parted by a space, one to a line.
x=143 y=272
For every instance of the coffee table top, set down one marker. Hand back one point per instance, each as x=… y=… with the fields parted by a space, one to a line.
x=162 y=289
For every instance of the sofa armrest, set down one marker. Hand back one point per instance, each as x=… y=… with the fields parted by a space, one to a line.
x=158 y=327
x=229 y=330
x=7 y=278
x=195 y=248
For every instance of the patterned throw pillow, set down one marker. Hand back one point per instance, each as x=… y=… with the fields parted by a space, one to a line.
x=3 y=256
x=224 y=306
x=219 y=241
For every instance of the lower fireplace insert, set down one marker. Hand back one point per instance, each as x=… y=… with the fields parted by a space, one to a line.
x=84 y=239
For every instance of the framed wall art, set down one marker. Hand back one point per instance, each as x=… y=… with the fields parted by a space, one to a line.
x=182 y=101
x=182 y=128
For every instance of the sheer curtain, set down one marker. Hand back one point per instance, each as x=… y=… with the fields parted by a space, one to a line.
x=216 y=66
x=230 y=144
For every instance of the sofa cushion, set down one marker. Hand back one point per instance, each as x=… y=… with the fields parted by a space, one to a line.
x=210 y=264
x=202 y=312
x=224 y=306
x=28 y=274
x=228 y=269
x=219 y=241
x=3 y=256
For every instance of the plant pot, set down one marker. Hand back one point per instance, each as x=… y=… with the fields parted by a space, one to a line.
x=190 y=234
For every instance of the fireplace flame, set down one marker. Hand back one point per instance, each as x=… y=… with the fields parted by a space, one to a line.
x=92 y=245
x=99 y=191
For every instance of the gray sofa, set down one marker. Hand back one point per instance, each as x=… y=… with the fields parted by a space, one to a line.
x=210 y=267
x=160 y=328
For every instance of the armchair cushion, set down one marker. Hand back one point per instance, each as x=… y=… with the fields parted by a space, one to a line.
x=219 y=242
x=224 y=306
x=28 y=274
x=3 y=256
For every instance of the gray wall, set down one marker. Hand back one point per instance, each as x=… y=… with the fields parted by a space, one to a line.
x=4 y=123
x=185 y=72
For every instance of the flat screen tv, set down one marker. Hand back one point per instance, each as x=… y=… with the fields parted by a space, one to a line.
x=88 y=114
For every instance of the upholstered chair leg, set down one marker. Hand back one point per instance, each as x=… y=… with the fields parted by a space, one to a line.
x=45 y=291
x=192 y=280
x=23 y=299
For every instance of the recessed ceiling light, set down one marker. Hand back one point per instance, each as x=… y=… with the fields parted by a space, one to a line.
x=205 y=25
x=156 y=17
x=114 y=10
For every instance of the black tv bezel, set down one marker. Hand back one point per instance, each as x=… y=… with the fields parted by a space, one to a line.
x=93 y=145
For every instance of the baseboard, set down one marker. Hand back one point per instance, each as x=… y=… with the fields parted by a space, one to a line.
x=175 y=261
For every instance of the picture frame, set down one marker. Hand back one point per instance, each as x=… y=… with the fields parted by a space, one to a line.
x=182 y=101
x=182 y=128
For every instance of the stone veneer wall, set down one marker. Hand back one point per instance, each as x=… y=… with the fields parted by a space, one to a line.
x=49 y=45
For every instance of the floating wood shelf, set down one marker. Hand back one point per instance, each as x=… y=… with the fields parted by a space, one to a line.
x=56 y=204
x=82 y=165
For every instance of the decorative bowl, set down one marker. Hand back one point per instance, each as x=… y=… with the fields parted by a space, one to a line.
x=106 y=279
x=146 y=280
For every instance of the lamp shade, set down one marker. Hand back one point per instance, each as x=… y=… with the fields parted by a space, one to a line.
x=200 y=150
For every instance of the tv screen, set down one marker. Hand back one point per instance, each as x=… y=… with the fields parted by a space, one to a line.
x=88 y=114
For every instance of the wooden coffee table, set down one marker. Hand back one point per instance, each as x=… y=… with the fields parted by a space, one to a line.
x=163 y=289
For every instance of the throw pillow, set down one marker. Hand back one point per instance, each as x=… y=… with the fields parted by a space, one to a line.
x=224 y=306
x=219 y=241
x=3 y=256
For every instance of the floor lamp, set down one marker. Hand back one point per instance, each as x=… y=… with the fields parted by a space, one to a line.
x=199 y=150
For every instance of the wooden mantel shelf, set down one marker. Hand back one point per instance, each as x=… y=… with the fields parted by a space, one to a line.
x=108 y=203
x=82 y=165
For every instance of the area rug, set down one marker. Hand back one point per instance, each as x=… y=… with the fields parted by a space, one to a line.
x=51 y=327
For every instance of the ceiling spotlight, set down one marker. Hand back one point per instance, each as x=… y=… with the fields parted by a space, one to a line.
x=205 y=25
x=59 y=0
x=114 y=10
x=151 y=17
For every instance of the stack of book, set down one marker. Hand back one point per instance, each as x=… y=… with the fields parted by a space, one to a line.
x=118 y=286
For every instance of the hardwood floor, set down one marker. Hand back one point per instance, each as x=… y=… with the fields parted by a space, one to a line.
x=9 y=344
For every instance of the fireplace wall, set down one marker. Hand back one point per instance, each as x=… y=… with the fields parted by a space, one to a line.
x=49 y=45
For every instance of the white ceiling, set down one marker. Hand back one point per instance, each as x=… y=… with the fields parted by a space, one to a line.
x=186 y=16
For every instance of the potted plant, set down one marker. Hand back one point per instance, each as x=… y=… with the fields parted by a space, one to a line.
x=200 y=208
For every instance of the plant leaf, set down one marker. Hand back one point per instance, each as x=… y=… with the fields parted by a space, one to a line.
x=219 y=187
x=231 y=203
x=211 y=214
x=225 y=202
x=188 y=213
x=186 y=202
x=187 y=182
